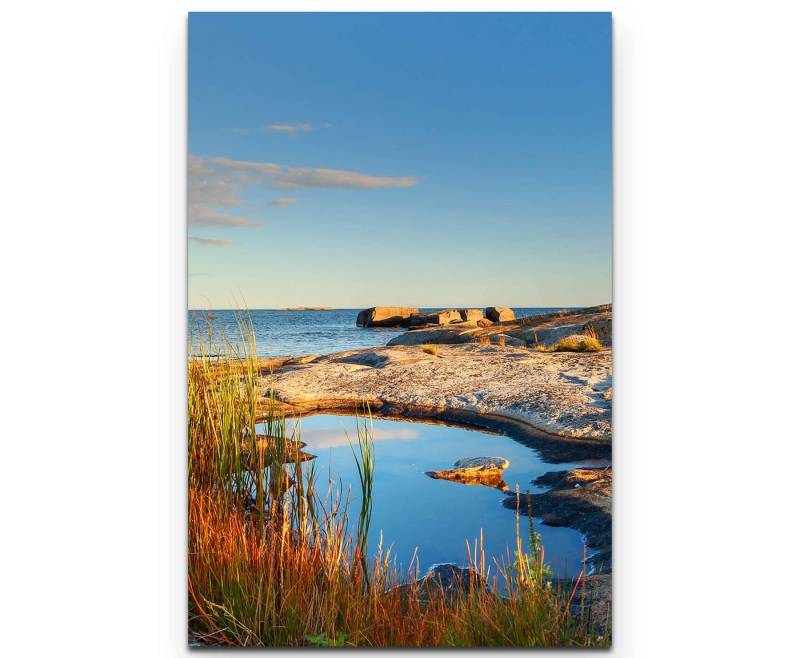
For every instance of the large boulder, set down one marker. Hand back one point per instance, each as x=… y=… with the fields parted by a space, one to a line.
x=442 y=335
x=385 y=316
x=471 y=314
x=499 y=313
x=436 y=317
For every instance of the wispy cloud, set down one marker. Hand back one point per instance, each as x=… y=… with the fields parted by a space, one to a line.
x=203 y=216
x=217 y=185
x=283 y=176
x=284 y=201
x=212 y=242
x=209 y=191
x=291 y=127
x=286 y=127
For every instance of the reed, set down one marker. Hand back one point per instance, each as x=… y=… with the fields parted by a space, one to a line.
x=272 y=561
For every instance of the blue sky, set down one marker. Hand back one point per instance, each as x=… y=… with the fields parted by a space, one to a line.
x=354 y=160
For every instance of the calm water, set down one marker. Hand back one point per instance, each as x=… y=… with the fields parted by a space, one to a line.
x=283 y=333
x=436 y=516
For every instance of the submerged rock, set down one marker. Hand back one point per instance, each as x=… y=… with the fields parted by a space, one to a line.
x=452 y=578
x=385 y=316
x=448 y=579
x=487 y=471
x=267 y=447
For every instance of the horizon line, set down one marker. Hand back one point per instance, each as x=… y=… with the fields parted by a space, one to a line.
x=356 y=308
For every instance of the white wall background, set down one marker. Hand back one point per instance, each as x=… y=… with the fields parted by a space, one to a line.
x=706 y=212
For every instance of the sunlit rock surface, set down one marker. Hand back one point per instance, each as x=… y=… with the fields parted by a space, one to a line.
x=528 y=331
x=562 y=393
x=487 y=471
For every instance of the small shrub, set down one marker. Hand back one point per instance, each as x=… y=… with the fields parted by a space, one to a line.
x=431 y=349
x=578 y=344
x=501 y=340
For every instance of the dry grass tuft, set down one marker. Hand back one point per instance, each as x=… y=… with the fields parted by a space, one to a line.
x=430 y=349
x=577 y=343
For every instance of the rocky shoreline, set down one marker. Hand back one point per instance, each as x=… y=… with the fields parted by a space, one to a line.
x=484 y=374
x=560 y=394
x=579 y=499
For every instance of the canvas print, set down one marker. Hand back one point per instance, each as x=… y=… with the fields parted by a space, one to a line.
x=399 y=330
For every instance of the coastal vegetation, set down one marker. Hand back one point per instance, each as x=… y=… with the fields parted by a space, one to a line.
x=273 y=560
x=430 y=349
x=585 y=342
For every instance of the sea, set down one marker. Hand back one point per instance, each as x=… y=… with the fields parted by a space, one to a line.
x=293 y=333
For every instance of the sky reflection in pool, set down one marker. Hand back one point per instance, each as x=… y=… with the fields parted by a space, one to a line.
x=436 y=516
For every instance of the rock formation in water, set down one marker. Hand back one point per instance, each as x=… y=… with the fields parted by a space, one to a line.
x=487 y=471
x=471 y=314
x=499 y=313
x=385 y=316
x=545 y=329
x=446 y=579
x=311 y=308
x=267 y=448
x=403 y=316
x=435 y=318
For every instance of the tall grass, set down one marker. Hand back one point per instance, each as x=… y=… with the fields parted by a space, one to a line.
x=272 y=561
x=365 y=464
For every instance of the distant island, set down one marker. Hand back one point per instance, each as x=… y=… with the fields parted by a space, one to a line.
x=310 y=308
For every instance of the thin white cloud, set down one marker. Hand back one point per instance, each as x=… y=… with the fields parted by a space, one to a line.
x=213 y=242
x=200 y=215
x=291 y=127
x=284 y=201
x=241 y=165
x=283 y=176
x=217 y=185
x=299 y=178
